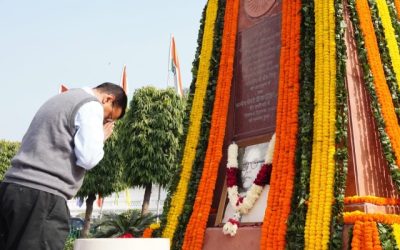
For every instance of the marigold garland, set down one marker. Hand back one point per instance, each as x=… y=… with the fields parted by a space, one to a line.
x=397 y=4
x=376 y=107
x=382 y=89
x=396 y=233
x=380 y=201
x=341 y=154
x=148 y=232
x=376 y=243
x=200 y=155
x=395 y=20
x=365 y=236
x=386 y=60
x=297 y=219
x=281 y=187
x=386 y=237
x=352 y=217
x=196 y=113
x=357 y=235
x=390 y=36
x=317 y=231
x=195 y=229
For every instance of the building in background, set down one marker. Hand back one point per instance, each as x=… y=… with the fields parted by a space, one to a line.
x=119 y=202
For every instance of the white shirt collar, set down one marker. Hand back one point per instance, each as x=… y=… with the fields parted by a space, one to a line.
x=89 y=90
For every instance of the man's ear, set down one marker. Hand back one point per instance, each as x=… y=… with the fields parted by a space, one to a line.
x=108 y=98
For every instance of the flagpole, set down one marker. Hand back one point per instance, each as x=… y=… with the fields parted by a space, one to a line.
x=158 y=203
x=124 y=80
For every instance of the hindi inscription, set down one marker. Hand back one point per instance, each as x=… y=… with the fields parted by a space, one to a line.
x=256 y=78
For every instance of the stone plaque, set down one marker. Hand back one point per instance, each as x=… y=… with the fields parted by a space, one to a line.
x=256 y=78
x=253 y=102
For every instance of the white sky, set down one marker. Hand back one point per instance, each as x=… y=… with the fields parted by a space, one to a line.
x=44 y=43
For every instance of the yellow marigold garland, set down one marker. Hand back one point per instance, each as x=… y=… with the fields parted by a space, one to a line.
x=148 y=232
x=390 y=37
x=323 y=164
x=195 y=230
x=396 y=233
x=178 y=199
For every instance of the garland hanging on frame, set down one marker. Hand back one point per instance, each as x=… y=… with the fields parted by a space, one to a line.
x=243 y=204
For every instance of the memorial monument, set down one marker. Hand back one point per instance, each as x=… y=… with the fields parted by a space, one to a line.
x=318 y=83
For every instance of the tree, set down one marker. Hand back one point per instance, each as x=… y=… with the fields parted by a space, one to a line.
x=7 y=151
x=104 y=179
x=150 y=136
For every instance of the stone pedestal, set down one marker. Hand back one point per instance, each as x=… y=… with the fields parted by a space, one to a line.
x=121 y=244
x=246 y=238
x=368 y=173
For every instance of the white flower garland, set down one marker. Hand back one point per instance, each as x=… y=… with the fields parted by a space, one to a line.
x=243 y=204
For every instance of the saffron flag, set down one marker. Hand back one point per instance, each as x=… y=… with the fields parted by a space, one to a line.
x=124 y=80
x=100 y=201
x=175 y=68
x=63 y=88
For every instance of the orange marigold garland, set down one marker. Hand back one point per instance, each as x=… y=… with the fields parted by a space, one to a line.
x=357 y=235
x=195 y=229
x=148 y=232
x=352 y=217
x=397 y=4
x=281 y=186
x=365 y=236
x=380 y=201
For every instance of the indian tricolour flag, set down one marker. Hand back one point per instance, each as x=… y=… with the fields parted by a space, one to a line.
x=175 y=68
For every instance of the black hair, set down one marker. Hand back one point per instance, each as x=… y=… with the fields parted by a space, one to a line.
x=121 y=99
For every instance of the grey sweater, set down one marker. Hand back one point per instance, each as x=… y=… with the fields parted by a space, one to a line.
x=46 y=159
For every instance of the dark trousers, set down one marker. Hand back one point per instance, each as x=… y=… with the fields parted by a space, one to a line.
x=31 y=219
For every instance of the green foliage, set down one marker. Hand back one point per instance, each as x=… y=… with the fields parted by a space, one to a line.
x=106 y=177
x=7 y=151
x=297 y=218
x=341 y=154
x=69 y=243
x=115 y=225
x=386 y=236
x=350 y=235
x=149 y=136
